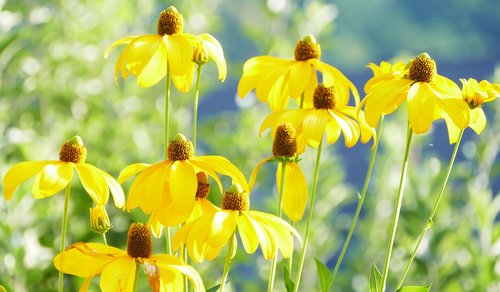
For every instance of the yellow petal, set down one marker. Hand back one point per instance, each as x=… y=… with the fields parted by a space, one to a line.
x=155 y=225
x=183 y=185
x=267 y=240
x=223 y=166
x=197 y=238
x=183 y=82
x=131 y=170
x=253 y=176
x=201 y=166
x=118 y=275
x=300 y=73
x=314 y=126
x=278 y=94
x=455 y=108
x=180 y=53
x=138 y=53
x=124 y=40
x=94 y=182
x=222 y=228
x=19 y=173
x=170 y=215
x=155 y=69
x=477 y=120
x=333 y=76
x=216 y=53
x=332 y=132
x=247 y=234
x=295 y=191
x=349 y=126
x=173 y=264
x=149 y=187
x=420 y=107
x=53 y=178
x=116 y=190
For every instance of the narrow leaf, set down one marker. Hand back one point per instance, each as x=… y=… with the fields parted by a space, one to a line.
x=324 y=276
x=414 y=289
x=375 y=278
x=289 y=284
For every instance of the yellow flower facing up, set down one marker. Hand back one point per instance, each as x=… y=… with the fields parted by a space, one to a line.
x=295 y=185
x=331 y=116
x=275 y=80
x=150 y=56
x=173 y=183
x=117 y=267
x=207 y=48
x=51 y=176
x=475 y=95
x=208 y=234
x=430 y=96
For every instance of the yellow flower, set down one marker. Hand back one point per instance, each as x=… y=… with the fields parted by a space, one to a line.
x=99 y=219
x=208 y=234
x=330 y=115
x=207 y=48
x=430 y=96
x=385 y=71
x=53 y=175
x=149 y=56
x=117 y=267
x=475 y=94
x=275 y=79
x=174 y=182
x=295 y=185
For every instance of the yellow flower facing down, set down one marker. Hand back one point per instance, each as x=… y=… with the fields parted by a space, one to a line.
x=174 y=182
x=475 y=95
x=51 y=176
x=117 y=267
x=207 y=48
x=295 y=185
x=275 y=80
x=384 y=71
x=149 y=56
x=331 y=116
x=208 y=234
x=430 y=96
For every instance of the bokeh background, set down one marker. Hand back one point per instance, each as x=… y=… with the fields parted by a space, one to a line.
x=55 y=84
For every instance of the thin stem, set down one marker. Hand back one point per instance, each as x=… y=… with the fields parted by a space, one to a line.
x=309 y=216
x=227 y=264
x=290 y=259
x=433 y=212
x=103 y=235
x=360 y=203
x=272 y=273
x=136 y=277
x=63 y=231
x=397 y=210
x=302 y=101
x=195 y=106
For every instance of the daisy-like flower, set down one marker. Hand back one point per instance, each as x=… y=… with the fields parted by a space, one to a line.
x=330 y=115
x=118 y=268
x=53 y=175
x=150 y=56
x=295 y=185
x=209 y=233
x=207 y=48
x=384 y=71
x=475 y=94
x=173 y=183
x=430 y=96
x=275 y=80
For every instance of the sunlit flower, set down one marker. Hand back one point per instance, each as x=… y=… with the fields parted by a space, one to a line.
x=385 y=71
x=208 y=234
x=53 y=175
x=331 y=116
x=173 y=182
x=275 y=80
x=430 y=96
x=207 y=48
x=99 y=219
x=150 y=56
x=118 y=268
x=475 y=94
x=295 y=185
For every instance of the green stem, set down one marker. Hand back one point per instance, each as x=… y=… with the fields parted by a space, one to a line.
x=195 y=106
x=103 y=235
x=63 y=231
x=397 y=210
x=136 y=277
x=433 y=212
x=309 y=216
x=302 y=101
x=227 y=264
x=360 y=203
x=290 y=259
x=272 y=273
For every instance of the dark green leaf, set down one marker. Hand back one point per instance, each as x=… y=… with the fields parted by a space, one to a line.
x=375 y=278
x=414 y=289
x=324 y=276
x=289 y=284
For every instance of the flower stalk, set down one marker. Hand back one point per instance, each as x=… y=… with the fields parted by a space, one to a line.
x=63 y=231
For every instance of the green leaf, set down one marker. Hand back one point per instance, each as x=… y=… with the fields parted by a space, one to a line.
x=375 y=278
x=414 y=289
x=213 y=289
x=289 y=284
x=324 y=276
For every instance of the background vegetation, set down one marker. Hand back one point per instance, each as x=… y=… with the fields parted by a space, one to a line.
x=55 y=84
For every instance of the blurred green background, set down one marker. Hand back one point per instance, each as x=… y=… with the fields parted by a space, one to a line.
x=55 y=84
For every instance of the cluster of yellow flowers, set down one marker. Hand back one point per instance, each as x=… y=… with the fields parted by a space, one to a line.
x=174 y=191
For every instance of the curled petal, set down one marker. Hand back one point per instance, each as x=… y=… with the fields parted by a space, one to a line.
x=19 y=173
x=216 y=53
x=94 y=182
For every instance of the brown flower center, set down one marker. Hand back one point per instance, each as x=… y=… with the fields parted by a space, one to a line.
x=203 y=186
x=170 y=22
x=73 y=151
x=324 y=97
x=180 y=148
x=307 y=49
x=235 y=199
x=139 y=243
x=285 y=143
x=423 y=69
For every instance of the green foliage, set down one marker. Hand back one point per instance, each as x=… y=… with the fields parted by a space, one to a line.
x=375 y=279
x=414 y=289
x=324 y=276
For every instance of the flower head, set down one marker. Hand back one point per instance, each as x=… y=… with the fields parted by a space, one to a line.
x=430 y=96
x=172 y=184
x=276 y=80
x=117 y=267
x=99 y=219
x=53 y=175
x=208 y=234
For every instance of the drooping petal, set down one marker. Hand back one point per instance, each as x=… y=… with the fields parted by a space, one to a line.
x=295 y=191
x=300 y=73
x=19 y=173
x=183 y=185
x=121 y=41
x=420 y=107
x=216 y=53
x=278 y=95
x=247 y=234
x=253 y=176
x=180 y=53
x=333 y=76
x=222 y=227
x=350 y=128
x=118 y=275
x=131 y=170
x=456 y=108
x=155 y=69
x=223 y=166
x=166 y=262
x=138 y=53
x=183 y=82
x=53 y=178
x=255 y=70
x=170 y=215
x=267 y=240
x=201 y=166
x=116 y=190
x=148 y=188
x=314 y=125
x=94 y=182
x=477 y=120
x=294 y=117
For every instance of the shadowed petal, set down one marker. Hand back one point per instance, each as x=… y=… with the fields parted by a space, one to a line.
x=118 y=275
x=94 y=182
x=53 y=178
